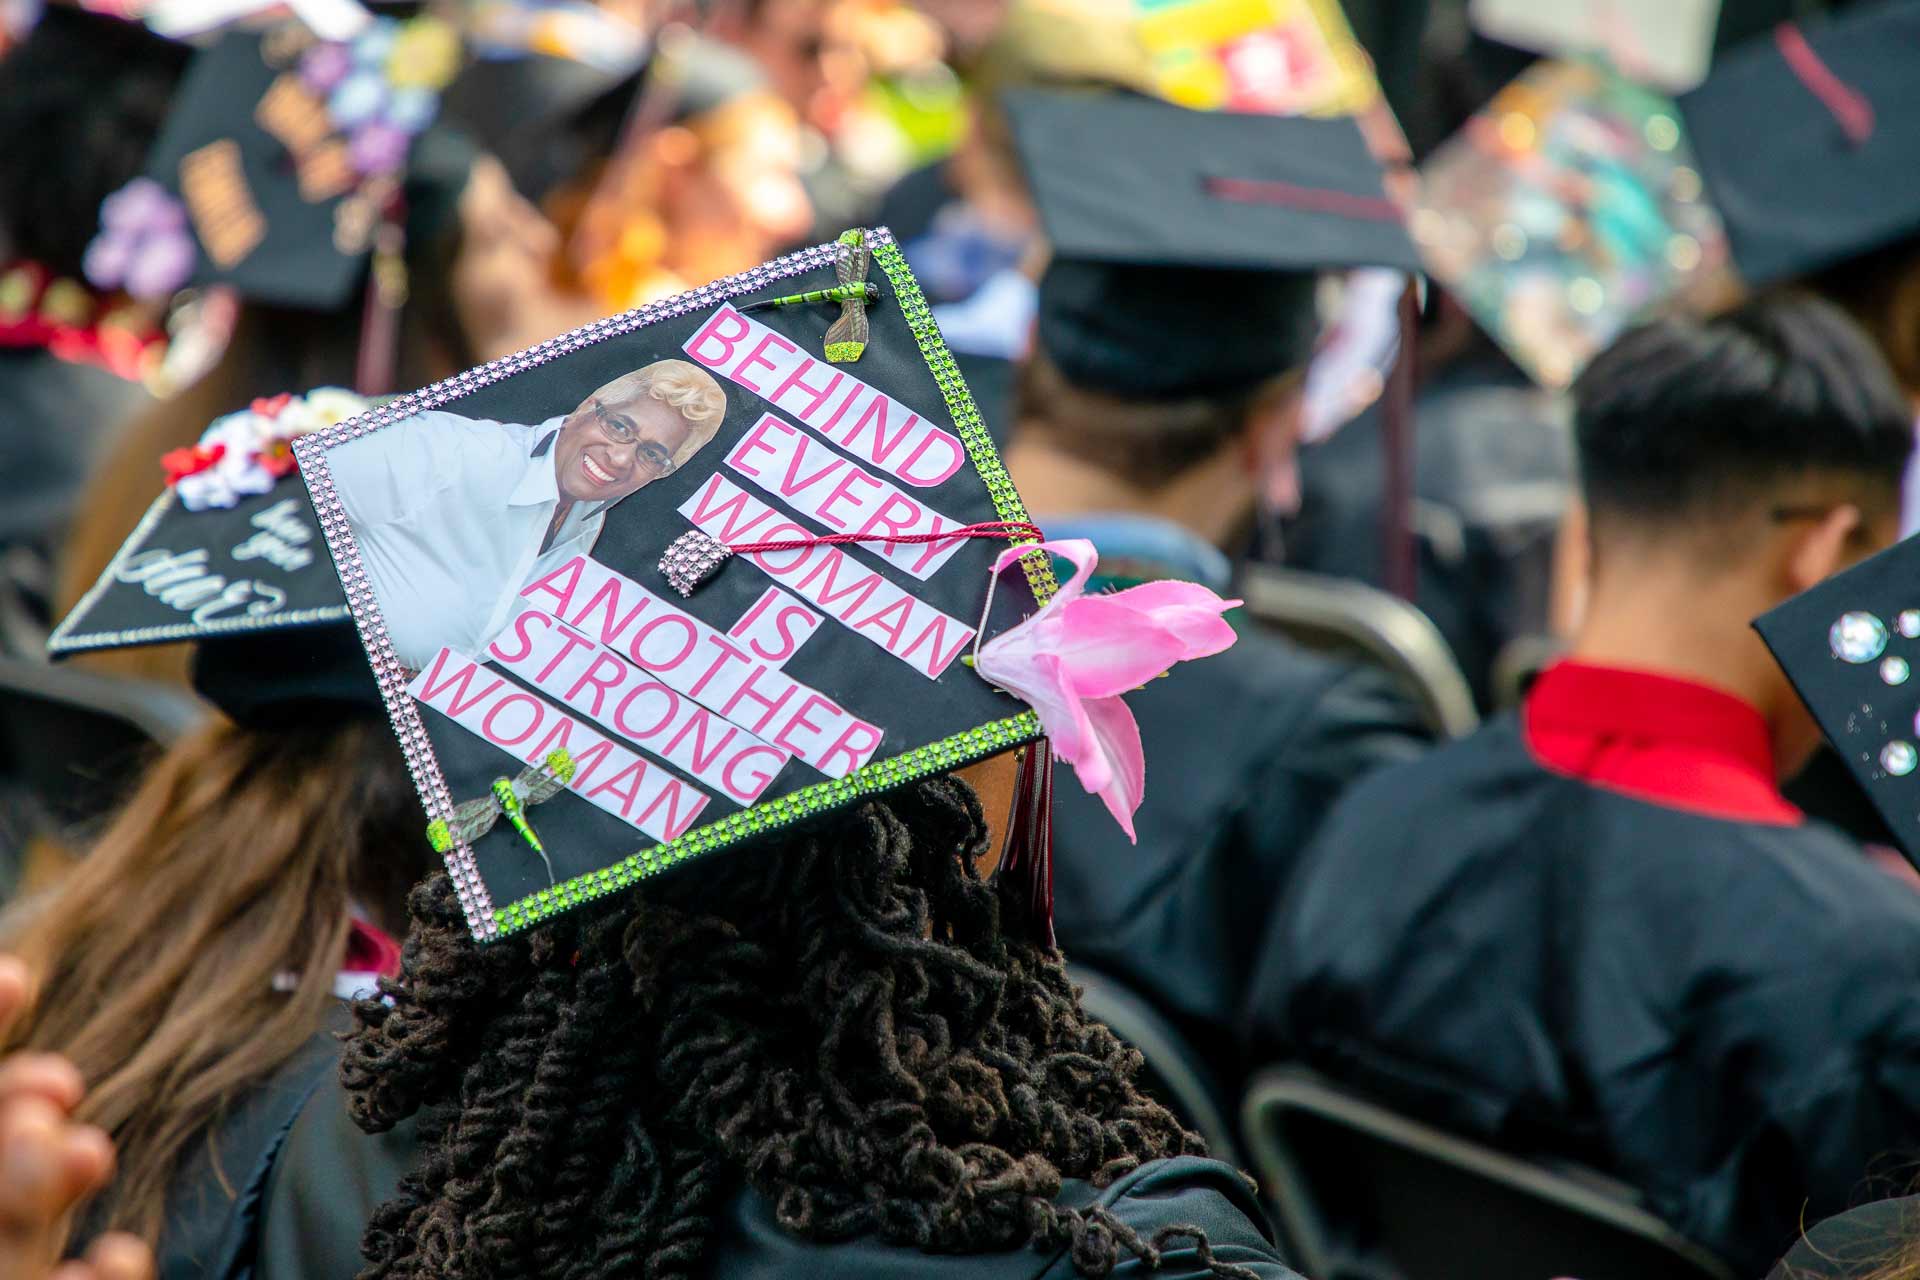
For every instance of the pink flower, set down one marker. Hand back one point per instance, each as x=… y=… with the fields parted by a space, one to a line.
x=1073 y=659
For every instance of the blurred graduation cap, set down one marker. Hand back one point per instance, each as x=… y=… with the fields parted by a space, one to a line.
x=725 y=509
x=231 y=557
x=1807 y=139
x=1851 y=647
x=286 y=161
x=1286 y=59
x=1566 y=209
x=550 y=89
x=1186 y=243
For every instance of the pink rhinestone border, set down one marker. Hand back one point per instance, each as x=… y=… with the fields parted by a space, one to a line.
x=310 y=452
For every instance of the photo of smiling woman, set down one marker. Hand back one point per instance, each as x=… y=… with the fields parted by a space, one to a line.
x=454 y=515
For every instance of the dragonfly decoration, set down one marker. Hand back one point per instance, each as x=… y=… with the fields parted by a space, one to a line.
x=847 y=336
x=508 y=798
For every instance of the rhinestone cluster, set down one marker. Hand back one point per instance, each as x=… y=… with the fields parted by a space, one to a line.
x=691 y=559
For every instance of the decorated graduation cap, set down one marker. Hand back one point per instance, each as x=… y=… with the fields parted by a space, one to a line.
x=1567 y=209
x=1830 y=173
x=1186 y=242
x=706 y=569
x=286 y=162
x=1851 y=647
x=231 y=557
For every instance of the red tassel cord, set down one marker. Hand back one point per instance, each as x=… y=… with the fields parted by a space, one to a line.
x=1027 y=864
x=693 y=557
x=988 y=529
x=1850 y=109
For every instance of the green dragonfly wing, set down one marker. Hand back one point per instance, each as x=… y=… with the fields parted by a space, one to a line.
x=851 y=266
x=473 y=819
x=538 y=789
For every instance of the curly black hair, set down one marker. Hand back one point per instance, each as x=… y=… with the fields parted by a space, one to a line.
x=837 y=1018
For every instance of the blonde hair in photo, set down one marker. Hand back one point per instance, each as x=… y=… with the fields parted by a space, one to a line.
x=682 y=385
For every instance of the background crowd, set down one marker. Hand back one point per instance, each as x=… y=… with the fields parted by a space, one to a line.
x=1495 y=903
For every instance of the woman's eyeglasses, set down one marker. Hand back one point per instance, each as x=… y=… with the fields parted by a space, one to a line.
x=620 y=431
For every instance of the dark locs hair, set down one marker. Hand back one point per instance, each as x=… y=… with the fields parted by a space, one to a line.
x=835 y=1018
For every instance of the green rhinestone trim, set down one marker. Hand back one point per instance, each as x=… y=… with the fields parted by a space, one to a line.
x=966 y=415
x=880 y=775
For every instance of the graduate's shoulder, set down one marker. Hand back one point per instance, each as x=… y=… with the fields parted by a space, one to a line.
x=1190 y=1192
x=1268 y=684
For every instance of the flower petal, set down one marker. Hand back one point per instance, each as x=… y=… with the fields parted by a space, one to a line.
x=106 y=259
x=1077 y=550
x=1107 y=648
x=1115 y=766
x=1188 y=610
x=160 y=266
x=1039 y=681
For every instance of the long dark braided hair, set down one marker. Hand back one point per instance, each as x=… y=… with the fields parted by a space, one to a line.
x=835 y=1018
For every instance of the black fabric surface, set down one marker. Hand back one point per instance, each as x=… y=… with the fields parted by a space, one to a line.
x=288 y=677
x=200 y=586
x=217 y=1189
x=297 y=261
x=1097 y=320
x=55 y=417
x=908 y=207
x=1493 y=474
x=330 y=1177
x=1861 y=713
x=1246 y=752
x=1208 y=189
x=1718 y=1013
x=1813 y=195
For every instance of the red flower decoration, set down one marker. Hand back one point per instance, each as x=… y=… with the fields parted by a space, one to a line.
x=191 y=460
x=277 y=458
x=270 y=406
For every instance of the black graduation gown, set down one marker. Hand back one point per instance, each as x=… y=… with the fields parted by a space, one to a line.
x=1721 y=1014
x=330 y=1177
x=1493 y=477
x=1246 y=752
x=55 y=418
x=219 y=1181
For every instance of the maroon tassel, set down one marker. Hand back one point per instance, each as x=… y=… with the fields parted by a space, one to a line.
x=374 y=370
x=1028 y=861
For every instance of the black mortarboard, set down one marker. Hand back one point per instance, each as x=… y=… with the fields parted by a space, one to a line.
x=282 y=157
x=231 y=556
x=1186 y=242
x=522 y=546
x=546 y=118
x=1807 y=139
x=1851 y=647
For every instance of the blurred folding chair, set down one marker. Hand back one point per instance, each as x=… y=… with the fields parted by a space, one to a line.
x=1520 y=661
x=1364 y=1193
x=1356 y=621
x=1176 y=1074
x=71 y=745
